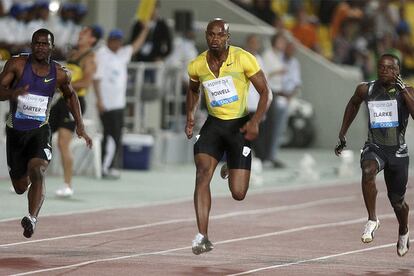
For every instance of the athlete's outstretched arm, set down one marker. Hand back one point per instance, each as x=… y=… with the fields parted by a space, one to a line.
x=251 y=128
x=407 y=94
x=7 y=77
x=88 y=69
x=350 y=113
x=72 y=102
x=193 y=96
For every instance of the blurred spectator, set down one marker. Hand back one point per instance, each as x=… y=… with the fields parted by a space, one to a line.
x=5 y=35
x=274 y=69
x=183 y=51
x=405 y=44
x=263 y=10
x=291 y=84
x=82 y=64
x=110 y=88
x=344 y=10
x=184 y=46
x=158 y=44
x=253 y=45
x=326 y=10
x=17 y=28
x=386 y=18
x=305 y=31
x=68 y=27
x=342 y=44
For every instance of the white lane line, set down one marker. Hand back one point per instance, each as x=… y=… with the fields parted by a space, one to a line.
x=192 y=219
x=314 y=260
x=101 y=261
x=287 y=231
x=266 y=190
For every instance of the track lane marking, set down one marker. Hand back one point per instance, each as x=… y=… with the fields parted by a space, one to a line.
x=192 y=219
x=314 y=259
x=162 y=252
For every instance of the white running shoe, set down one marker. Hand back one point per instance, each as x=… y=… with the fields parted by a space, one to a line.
x=201 y=244
x=64 y=192
x=403 y=244
x=29 y=224
x=224 y=171
x=370 y=227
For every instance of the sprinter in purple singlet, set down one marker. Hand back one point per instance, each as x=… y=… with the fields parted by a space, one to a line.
x=29 y=82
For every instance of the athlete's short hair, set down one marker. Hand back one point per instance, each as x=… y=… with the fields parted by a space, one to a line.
x=44 y=32
x=394 y=57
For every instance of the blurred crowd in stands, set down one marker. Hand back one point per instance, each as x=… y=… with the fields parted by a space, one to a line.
x=19 y=20
x=351 y=32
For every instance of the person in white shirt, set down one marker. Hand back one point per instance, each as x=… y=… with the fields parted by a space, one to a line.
x=253 y=45
x=291 y=83
x=274 y=69
x=110 y=85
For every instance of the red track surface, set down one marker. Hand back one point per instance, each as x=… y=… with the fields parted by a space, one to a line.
x=306 y=231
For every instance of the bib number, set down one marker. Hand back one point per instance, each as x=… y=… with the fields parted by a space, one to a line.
x=32 y=107
x=383 y=114
x=221 y=91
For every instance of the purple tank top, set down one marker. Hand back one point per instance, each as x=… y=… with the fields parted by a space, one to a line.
x=32 y=110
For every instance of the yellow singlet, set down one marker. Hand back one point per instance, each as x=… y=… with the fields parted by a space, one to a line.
x=226 y=96
x=77 y=74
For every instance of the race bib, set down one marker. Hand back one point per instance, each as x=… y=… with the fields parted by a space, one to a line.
x=221 y=91
x=32 y=107
x=383 y=114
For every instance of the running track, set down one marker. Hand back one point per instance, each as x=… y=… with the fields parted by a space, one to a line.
x=296 y=231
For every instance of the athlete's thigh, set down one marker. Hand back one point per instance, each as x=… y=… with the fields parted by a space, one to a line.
x=17 y=158
x=41 y=144
x=371 y=153
x=396 y=175
x=209 y=141
x=205 y=164
x=58 y=113
x=238 y=149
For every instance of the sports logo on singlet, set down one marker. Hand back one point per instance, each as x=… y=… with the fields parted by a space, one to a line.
x=383 y=114
x=32 y=107
x=221 y=91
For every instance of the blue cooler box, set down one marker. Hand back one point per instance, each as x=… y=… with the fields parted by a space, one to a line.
x=136 y=151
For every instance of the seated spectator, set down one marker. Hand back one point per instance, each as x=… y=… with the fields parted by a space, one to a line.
x=305 y=31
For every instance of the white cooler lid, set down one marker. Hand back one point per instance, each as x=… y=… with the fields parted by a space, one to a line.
x=138 y=139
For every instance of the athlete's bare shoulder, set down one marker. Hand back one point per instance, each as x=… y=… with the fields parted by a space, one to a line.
x=15 y=65
x=362 y=88
x=63 y=74
x=410 y=89
x=18 y=60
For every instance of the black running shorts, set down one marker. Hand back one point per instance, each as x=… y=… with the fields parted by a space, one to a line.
x=395 y=166
x=223 y=136
x=22 y=146
x=60 y=116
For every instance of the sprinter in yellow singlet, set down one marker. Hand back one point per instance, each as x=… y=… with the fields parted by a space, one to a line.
x=224 y=73
x=82 y=66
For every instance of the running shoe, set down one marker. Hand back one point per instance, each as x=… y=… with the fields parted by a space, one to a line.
x=64 y=192
x=201 y=244
x=29 y=224
x=370 y=227
x=403 y=244
x=224 y=171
